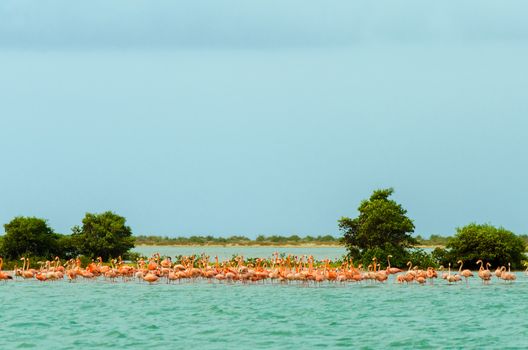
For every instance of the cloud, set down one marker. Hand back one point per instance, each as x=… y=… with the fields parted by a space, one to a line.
x=259 y=23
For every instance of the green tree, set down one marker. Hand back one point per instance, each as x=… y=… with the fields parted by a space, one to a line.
x=29 y=236
x=105 y=235
x=497 y=246
x=66 y=247
x=382 y=226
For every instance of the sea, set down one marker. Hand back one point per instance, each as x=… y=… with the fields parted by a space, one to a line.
x=202 y=314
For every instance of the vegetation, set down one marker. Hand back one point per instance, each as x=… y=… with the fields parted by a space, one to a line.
x=104 y=235
x=497 y=246
x=238 y=240
x=381 y=229
x=433 y=241
x=29 y=236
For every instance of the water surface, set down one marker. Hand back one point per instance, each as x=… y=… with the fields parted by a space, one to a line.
x=205 y=315
x=226 y=252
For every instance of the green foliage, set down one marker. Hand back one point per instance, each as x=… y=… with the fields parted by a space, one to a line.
x=132 y=256
x=491 y=244
x=29 y=236
x=524 y=238
x=421 y=258
x=67 y=248
x=399 y=255
x=433 y=240
x=443 y=257
x=381 y=227
x=104 y=235
x=236 y=240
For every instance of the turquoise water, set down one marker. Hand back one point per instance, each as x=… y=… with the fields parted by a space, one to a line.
x=227 y=252
x=211 y=315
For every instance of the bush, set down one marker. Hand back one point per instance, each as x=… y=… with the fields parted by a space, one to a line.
x=443 y=257
x=66 y=247
x=132 y=256
x=420 y=258
x=495 y=245
x=103 y=235
x=399 y=256
x=29 y=236
x=382 y=228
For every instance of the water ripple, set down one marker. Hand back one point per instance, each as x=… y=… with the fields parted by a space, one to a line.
x=216 y=316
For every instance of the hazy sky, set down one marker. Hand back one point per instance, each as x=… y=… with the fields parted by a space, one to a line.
x=272 y=117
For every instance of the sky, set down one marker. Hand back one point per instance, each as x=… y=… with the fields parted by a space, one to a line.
x=263 y=117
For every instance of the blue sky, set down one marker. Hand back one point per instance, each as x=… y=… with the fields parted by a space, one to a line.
x=270 y=117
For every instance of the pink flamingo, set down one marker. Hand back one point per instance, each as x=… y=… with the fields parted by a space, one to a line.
x=4 y=276
x=466 y=273
x=484 y=274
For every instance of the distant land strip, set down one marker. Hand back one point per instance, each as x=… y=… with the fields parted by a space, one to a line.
x=272 y=240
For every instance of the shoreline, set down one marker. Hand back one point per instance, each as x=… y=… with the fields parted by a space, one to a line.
x=278 y=245
x=252 y=245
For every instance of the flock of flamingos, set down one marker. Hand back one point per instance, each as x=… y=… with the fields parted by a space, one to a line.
x=277 y=269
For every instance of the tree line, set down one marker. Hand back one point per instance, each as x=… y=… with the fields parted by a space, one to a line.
x=238 y=240
x=103 y=235
x=383 y=228
x=443 y=241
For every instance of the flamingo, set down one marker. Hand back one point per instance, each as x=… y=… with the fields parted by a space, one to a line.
x=380 y=275
x=71 y=272
x=150 y=277
x=420 y=279
x=26 y=272
x=444 y=274
x=172 y=276
x=508 y=276
x=466 y=273
x=391 y=270
x=498 y=271
x=111 y=272
x=450 y=278
x=431 y=274
x=410 y=275
x=3 y=275
x=484 y=274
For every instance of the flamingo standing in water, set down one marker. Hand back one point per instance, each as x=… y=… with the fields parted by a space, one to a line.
x=150 y=277
x=4 y=276
x=484 y=274
x=71 y=272
x=498 y=272
x=431 y=274
x=410 y=275
x=508 y=276
x=466 y=273
x=391 y=270
x=450 y=278
x=26 y=271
